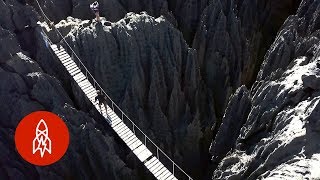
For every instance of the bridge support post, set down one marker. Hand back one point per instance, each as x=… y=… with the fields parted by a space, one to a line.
x=145 y=140
x=157 y=153
x=173 y=168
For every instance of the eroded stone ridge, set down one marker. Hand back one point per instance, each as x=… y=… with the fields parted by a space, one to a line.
x=277 y=120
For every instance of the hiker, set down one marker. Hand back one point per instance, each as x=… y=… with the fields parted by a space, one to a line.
x=102 y=100
x=95 y=8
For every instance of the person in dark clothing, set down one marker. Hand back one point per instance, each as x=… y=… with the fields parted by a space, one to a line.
x=95 y=8
x=102 y=99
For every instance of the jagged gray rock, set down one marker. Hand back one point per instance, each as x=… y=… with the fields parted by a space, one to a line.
x=279 y=132
x=15 y=29
x=279 y=137
x=220 y=63
x=146 y=66
x=25 y=87
x=231 y=41
x=28 y=89
x=5 y=21
x=183 y=14
x=9 y=44
x=298 y=37
x=234 y=118
x=188 y=14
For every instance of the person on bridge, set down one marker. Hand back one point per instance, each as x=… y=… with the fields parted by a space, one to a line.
x=95 y=8
x=102 y=100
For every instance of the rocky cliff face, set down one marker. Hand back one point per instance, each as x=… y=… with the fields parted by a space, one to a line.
x=146 y=67
x=185 y=15
x=273 y=127
x=231 y=41
x=179 y=96
x=25 y=87
x=154 y=78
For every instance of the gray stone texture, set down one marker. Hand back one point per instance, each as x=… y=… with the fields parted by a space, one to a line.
x=25 y=87
x=147 y=68
x=277 y=120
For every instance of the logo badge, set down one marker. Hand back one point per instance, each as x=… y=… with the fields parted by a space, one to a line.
x=42 y=138
x=42 y=142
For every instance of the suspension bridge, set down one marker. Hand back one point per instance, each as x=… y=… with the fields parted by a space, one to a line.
x=125 y=128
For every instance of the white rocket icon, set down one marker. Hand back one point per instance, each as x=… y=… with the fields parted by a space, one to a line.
x=41 y=142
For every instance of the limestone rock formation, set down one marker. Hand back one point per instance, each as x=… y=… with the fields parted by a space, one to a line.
x=220 y=63
x=178 y=95
x=231 y=41
x=145 y=65
x=226 y=137
x=183 y=14
x=275 y=132
x=25 y=87
x=298 y=37
x=188 y=15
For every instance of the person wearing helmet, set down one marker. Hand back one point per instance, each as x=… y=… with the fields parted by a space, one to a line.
x=95 y=8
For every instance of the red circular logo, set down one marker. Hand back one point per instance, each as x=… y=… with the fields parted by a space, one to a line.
x=42 y=138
